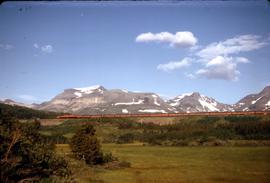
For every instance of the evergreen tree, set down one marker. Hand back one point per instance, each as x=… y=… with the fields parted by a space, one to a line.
x=85 y=146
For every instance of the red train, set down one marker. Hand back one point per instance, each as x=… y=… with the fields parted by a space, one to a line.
x=72 y=116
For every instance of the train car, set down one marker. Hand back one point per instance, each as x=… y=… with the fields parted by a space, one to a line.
x=236 y=113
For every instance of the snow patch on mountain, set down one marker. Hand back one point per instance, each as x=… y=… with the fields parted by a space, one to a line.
x=254 y=101
x=130 y=103
x=204 y=101
x=179 y=98
x=152 y=111
x=78 y=94
x=172 y=109
x=125 y=111
x=89 y=90
x=125 y=91
x=155 y=100
x=246 y=109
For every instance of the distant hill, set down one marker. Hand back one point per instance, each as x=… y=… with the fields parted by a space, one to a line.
x=25 y=113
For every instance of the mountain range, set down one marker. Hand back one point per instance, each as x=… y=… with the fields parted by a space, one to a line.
x=99 y=100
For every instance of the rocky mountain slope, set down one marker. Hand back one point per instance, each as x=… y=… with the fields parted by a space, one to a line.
x=255 y=102
x=195 y=102
x=99 y=100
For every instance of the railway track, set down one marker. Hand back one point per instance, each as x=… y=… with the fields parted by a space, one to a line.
x=71 y=116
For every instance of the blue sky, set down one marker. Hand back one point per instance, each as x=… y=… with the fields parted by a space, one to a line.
x=219 y=49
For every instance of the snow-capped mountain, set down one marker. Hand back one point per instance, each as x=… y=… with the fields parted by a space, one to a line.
x=195 y=102
x=255 y=102
x=99 y=100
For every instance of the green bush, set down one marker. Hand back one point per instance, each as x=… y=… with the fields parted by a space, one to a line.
x=85 y=145
x=126 y=138
x=24 y=154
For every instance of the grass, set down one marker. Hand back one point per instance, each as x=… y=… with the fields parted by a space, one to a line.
x=155 y=164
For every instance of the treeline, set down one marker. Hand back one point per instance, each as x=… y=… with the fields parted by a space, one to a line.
x=20 y=112
x=196 y=131
x=71 y=126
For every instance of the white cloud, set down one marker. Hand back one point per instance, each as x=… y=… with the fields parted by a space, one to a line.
x=47 y=49
x=241 y=60
x=179 y=39
x=27 y=97
x=242 y=43
x=219 y=59
x=6 y=46
x=36 y=45
x=222 y=68
x=175 y=65
x=190 y=76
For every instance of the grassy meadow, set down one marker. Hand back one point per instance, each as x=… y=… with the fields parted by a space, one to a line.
x=243 y=157
x=155 y=164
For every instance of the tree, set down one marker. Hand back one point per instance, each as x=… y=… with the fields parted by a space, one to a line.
x=85 y=145
x=24 y=155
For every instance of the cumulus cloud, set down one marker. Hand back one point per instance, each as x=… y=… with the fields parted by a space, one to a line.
x=6 y=46
x=242 y=43
x=222 y=68
x=220 y=60
x=175 y=65
x=190 y=76
x=179 y=39
x=47 y=49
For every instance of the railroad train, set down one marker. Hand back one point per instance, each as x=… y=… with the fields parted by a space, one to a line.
x=72 y=116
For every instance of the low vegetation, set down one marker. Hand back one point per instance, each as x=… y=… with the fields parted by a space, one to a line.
x=189 y=131
x=160 y=164
x=108 y=150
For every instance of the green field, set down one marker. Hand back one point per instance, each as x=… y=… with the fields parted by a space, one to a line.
x=155 y=164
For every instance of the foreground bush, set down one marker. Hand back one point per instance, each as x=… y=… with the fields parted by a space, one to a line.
x=85 y=146
x=25 y=157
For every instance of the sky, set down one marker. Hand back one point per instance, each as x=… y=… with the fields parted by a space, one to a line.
x=220 y=49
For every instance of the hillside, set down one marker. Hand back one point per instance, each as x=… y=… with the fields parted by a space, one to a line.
x=25 y=113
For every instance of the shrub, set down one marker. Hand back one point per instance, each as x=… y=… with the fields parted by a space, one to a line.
x=85 y=145
x=126 y=138
x=108 y=157
x=24 y=155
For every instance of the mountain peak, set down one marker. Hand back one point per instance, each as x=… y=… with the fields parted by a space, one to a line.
x=8 y=101
x=255 y=102
x=89 y=88
x=195 y=102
